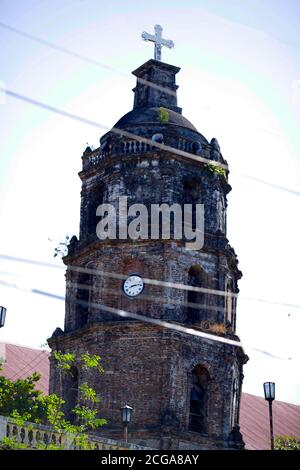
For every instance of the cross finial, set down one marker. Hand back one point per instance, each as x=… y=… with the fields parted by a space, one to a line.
x=158 y=41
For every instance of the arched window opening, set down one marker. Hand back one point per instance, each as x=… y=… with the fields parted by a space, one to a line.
x=96 y=197
x=196 y=309
x=192 y=195
x=199 y=400
x=82 y=299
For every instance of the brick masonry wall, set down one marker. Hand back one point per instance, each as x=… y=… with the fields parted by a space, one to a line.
x=152 y=260
x=149 y=368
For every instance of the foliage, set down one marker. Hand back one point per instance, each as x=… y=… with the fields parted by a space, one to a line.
x=163 y=115
x=86 y=411
x=22 y=398
x=216 y=169
x=287 y=443
x=48 y=446
x=63 y=361
x=90 y=361
x=10 y=443
x=23 y=403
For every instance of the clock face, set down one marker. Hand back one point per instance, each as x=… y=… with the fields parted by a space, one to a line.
x=133 y=285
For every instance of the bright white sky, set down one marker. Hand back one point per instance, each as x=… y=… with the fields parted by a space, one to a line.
x=239 y=82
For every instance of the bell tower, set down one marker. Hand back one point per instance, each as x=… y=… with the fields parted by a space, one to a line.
x=162 y=316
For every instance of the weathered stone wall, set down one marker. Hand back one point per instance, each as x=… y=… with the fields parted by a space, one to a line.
x=155 y=179
x=152 y=260
x=146 y=365
x=149 y=368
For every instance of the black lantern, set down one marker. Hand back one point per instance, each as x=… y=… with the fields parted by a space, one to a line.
x=2 y=316
x=269 y=389
x=126 y=414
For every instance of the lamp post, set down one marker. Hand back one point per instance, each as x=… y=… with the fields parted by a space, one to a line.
x=2 y=316
x=269 y=389
x=126 y=414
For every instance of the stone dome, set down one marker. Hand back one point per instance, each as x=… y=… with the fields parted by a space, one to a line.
x=151 y=116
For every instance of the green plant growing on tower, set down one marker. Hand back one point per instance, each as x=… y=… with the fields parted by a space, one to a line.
x=163 y=115
x=216 y=169
x=85 y=412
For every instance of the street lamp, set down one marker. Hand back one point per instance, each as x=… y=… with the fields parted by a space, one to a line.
x=2 y=316
x=269 y=389
x=126 y=414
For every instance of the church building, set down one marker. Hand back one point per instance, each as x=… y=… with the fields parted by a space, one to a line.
x=161 y=314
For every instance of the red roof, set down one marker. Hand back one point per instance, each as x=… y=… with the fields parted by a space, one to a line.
x=255 y=424
x=21 y=361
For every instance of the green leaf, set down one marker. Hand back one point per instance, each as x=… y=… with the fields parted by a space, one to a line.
x=163 y=115
x=287 y=443
x=216 y=169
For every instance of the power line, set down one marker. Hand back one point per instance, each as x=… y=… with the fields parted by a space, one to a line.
x=85 y=59
x=126 y=314
x=157 y=282
x=130 y=135
x=58 y=48
x=52 y=109
x=145 y=319
x=33 y=365
x=120 y=132
x=152 y=298
x=115 y=130
x=272 y=185
x=31 y=261
x=111 y=69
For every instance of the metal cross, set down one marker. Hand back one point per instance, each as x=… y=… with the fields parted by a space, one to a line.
x=158 y=40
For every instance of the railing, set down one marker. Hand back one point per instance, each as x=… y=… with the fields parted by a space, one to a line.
x=94 y=159
x=32 y=435
x=128 y=147
x=131 y=147
x=185 y=145
x=136 y=146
